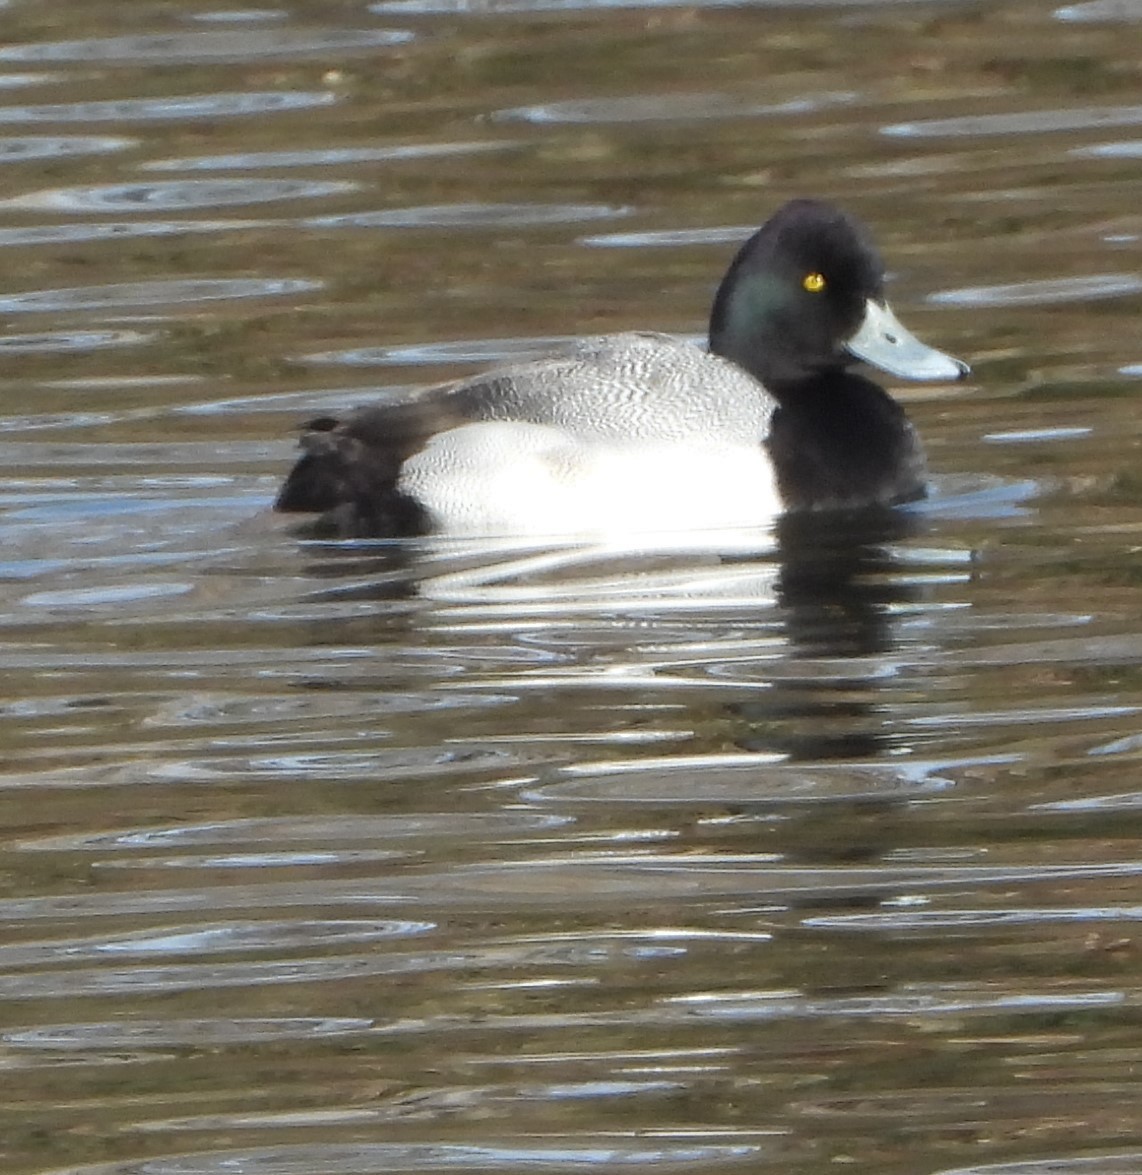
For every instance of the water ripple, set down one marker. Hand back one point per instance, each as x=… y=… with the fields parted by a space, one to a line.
x=150 y=293
x=470 y=216
x=230 y=45
x=102 y=981
x=941 y=921
x=1043 y=293
x=1101 y=10
x=325 y=156
x=697 y=844
x=730 y=235
x=312 y=766
x=664 y=107
x=313 y=402
x=109 y=596
x=63 y=341
x=16 y=81
x=46 y=234
x=739 y=779
x=1130 y=149
x=433 y=1102
x=1020 y=123
x=1118 y=802
x=471 y=827
x=317 y=858
x=1124 y=1163
x=239 y=15
x=535 y=1152
x=497 y=7
x=215 y=710
x=462 y=351
x=214 y=938
x=487 y=959
x=176 y=107
x=117 y=1035
x=503 y=7
x=583 y=883
x=176 y=194
x=16 y=149
x=1027 y=436
x=914 y=1000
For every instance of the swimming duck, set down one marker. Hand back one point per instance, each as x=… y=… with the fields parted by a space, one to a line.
x=644 y=432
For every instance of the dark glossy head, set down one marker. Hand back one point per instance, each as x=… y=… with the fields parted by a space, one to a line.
x=805 y=296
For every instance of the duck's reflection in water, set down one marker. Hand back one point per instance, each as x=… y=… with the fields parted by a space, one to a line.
x=813 y=609
x=849 y=587
x=750 y=671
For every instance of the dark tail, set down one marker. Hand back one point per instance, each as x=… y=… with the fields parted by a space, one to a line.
x=351 y=483
x=318 y=480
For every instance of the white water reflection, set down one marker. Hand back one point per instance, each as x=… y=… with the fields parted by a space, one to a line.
x=152 y=293
x=176 y=195
x=73 y=340
x=543 y=1153
x=665 y=107
x=487 y=827
x=17 y=149
x=1118 y=802
x=470 y=216
x=504 y=7
x=214 y=938
x=134 y=1034
x=1028 y=436
x=1044 y=293
x=1019 y=123
x=935 y=921
x=16 y=81
x=461 y=351
x=263 y=859
x=111 y=596
x=581 y=883
x=323 y=966
x=1096 y=11
x=1123 y=1163
x=1131 y=149
x=670 y=238
x=750 y=1006
x=231 y=45
x=449 y=1100
x=48 y=234
x=743 y=779
x=222 y=105
x=325 y=156
x=238 y=16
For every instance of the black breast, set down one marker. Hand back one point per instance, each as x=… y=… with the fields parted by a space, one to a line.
x=840 y=441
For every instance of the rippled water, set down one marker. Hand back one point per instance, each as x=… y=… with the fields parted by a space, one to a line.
x=332 y=859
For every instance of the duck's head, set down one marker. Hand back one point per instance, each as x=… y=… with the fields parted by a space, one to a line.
x=805 y=296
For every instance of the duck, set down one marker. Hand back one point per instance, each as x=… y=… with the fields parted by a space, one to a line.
x=642 y=432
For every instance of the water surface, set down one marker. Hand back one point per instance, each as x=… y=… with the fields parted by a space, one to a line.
x=797 y=853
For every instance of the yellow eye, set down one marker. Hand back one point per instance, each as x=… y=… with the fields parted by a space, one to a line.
x=814 y=282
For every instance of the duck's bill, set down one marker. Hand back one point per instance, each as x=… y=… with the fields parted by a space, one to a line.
x=885 y=342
